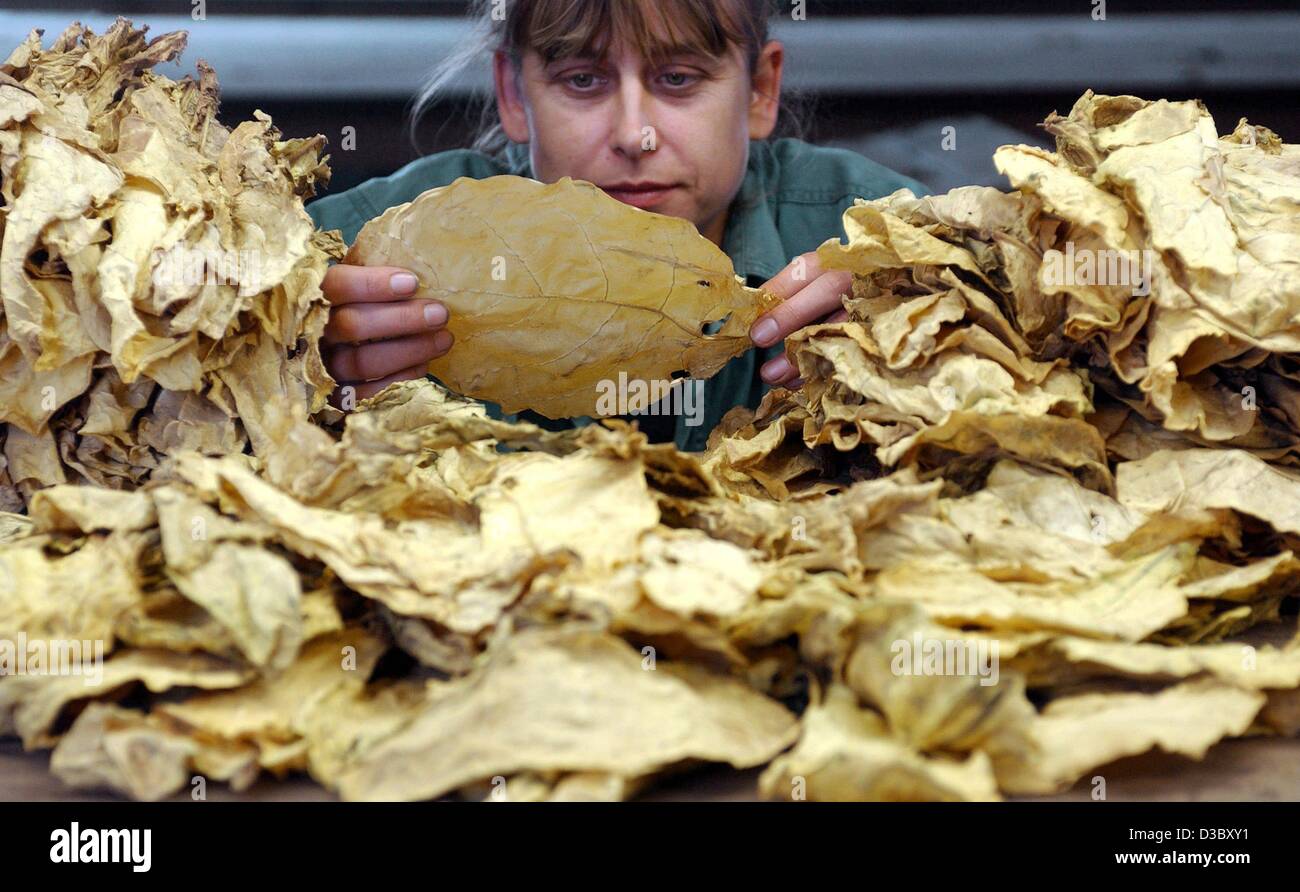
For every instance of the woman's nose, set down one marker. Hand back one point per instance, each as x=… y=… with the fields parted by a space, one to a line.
x=632 y=132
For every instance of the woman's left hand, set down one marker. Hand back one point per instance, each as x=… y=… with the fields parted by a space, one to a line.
x=809 y=296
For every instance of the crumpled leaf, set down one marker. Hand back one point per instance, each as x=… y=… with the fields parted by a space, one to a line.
x=1212 y=478
x=145 y=250
x=570 y=700
x=845 y=754
x=143 y=756
x=1076 y=734
x=596 y=288
x=30 y=704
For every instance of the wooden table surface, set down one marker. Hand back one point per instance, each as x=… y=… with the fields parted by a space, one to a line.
x=1261 y=768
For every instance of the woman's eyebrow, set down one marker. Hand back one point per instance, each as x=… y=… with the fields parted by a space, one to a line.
x=683 y=53
x=582 y=57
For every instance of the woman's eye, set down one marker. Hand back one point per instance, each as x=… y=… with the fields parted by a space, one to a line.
x=679 y=79
x=581 y=81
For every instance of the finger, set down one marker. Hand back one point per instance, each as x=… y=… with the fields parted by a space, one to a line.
x=374 y=322
x=797 y=273
x=821 y=296
x=346 y=284
x=353 y=363
x=787 y=381
x=367 y=389
x=777 y=370
x=841 y=316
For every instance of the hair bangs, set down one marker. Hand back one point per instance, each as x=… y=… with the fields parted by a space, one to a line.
x=658 y=29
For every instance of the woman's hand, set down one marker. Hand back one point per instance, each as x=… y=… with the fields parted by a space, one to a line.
x=375 y=335
x=809 y=296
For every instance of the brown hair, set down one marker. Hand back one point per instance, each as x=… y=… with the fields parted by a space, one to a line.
x=558 y=29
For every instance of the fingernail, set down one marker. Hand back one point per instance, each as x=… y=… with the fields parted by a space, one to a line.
x=776 y=368
x=403 y=283
x=764 y=332
x=442 y=341
x=435 y=315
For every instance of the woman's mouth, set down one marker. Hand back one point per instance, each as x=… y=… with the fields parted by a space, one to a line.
x=640 y=195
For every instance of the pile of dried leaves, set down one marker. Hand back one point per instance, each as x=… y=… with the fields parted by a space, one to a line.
x=159 y=275
x=998 y=540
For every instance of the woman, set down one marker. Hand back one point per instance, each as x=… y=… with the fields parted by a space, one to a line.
x=666 y=105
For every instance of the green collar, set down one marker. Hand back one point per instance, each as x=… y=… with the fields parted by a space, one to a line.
x=751 y=238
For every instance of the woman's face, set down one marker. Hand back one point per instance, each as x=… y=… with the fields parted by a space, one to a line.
x=671 y=138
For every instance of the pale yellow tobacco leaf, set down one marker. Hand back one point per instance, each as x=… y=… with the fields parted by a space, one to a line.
x=963 y=702
x=1211 y=478
x=1242 y=665
x=1129 y=600
x=538 y=511
x=63 y=182
x=276 y=713
x=1250 y=582
x=877 y=240
x=570 y=700
x=1057 y=505
x=30 y=704
x=256 y=595
x=594 y=506
x=143 y=757
x=1162 y=178
x=87 y=509
x=1077 y=734
x=1064 y=192
x=346 y=722
x=553 y=786
x=167 y=620
x=119 y=749
x=76 y=596
x=555 y=288
x=967 y=403
x=687 y=572
x=14 y=526
x=846 y=754
x=29 y=396
x=190 y=529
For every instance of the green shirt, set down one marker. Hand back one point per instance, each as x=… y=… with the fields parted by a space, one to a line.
x=790 y=201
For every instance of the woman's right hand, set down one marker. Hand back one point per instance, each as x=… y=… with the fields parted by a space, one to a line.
x=377 y=335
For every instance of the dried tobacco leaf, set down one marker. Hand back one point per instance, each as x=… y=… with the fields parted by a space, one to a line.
x=573 y=700
x=1077 y=734
x=144 y=756
x=147 y=250
x=555 y=288
x=846 y=754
